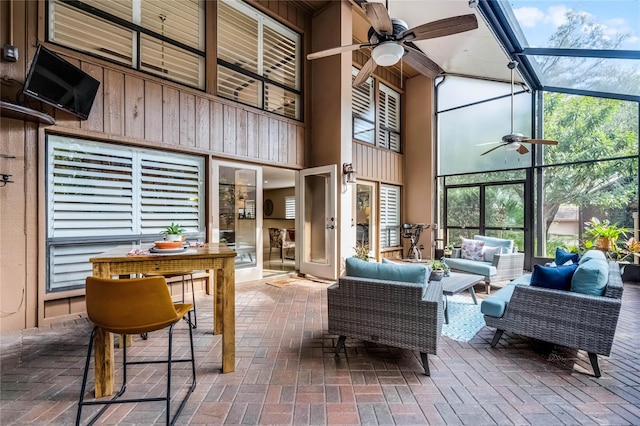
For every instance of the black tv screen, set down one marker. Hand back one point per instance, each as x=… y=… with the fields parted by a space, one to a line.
x=55 y=81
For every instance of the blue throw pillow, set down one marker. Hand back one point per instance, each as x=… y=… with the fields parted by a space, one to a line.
x=558 y=278
x=563 y=257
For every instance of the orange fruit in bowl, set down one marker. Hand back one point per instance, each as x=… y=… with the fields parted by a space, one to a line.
x=168 y=244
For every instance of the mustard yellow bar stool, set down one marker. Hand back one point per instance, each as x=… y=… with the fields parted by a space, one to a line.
x=135 y=306
x=182 y=275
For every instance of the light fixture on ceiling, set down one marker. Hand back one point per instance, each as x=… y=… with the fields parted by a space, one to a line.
x=387 y=54
x=513 y=146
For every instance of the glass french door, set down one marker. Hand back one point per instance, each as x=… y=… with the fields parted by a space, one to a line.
x=236 y=220
x=316 y=191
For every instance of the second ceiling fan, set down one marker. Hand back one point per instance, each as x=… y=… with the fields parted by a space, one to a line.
x=389 y=40
x=513 y=141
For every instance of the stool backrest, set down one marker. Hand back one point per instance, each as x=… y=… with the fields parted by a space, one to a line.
x=130 y=306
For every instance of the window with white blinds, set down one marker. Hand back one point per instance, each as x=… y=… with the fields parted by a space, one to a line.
x=163 y=38
x=100 y=195
x=389 y=216
x=362 y=110
x=389 y=115
x=258 y=60
x=289 y=207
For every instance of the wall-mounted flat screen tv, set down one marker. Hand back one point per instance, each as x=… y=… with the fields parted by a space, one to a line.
x=56 y=82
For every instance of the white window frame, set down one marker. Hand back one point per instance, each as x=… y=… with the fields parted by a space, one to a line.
x=266 y=21
x=102 y=195
x=390 y=232
x=388 y=118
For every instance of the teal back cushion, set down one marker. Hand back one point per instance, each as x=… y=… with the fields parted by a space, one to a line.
x=386 y=271
x=592 y=254
x=506 y=246
x=591 y=277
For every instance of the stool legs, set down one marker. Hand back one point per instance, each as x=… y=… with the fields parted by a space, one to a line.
x=194 y=323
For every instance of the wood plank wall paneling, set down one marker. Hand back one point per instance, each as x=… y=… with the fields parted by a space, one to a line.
x=377 y=164
x=134 y=107
x=153 y=112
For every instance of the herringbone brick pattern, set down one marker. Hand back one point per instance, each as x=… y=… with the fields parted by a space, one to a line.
x=287 y=373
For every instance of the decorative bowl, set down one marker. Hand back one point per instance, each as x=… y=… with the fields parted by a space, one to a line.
x=168 y=244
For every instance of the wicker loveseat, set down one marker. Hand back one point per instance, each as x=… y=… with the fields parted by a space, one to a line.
x=406 y=315
x=500 y=268
x=563 y=317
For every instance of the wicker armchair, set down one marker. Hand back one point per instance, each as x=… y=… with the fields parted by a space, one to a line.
x=564 y=318
x=399 y=314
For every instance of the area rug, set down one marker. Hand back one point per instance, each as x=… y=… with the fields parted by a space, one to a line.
x=465 y=318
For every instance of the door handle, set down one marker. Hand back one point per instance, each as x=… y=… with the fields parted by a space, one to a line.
x=330 y=227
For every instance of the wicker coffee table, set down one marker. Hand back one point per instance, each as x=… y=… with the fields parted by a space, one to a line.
x=456 y=283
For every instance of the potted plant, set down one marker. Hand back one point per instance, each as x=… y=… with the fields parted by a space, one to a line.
x=362 y=251
x=438 y=268
x=173 y=232
x=604 y=234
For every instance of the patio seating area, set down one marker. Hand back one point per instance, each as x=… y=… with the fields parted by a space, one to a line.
x=287 y=373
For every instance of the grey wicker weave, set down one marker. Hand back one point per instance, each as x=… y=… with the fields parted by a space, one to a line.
x=564 y=318
x=399 y=314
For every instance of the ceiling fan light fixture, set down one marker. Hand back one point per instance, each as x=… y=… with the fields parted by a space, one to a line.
x=513 y=146
x=387 y=54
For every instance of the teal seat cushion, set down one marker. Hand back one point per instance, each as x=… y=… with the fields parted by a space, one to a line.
x=495 y=305
x=591 y=277
x=386 y=271
x=471 y=266
x=506 y=246
x=592 y=254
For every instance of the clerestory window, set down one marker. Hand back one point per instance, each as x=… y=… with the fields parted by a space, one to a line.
x=363 y=111
x=258 y=60
x=161 y=38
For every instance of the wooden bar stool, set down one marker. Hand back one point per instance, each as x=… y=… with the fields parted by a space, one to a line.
x=182 y=274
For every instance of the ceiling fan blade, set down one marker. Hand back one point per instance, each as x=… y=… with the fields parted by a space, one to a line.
x=378 y=17
x=541 y=141
x=493 y=149
x=420 y=62
x=522 y=149
x=443 y=27
x=364 y=73
x=487 y=143
x=336 y=50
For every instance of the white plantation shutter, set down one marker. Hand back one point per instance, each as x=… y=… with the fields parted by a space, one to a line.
x=363 y=111
x=238 y=35
x=170 y=192
x=181 y=21
x=289 y=207
x=90 y=189
x=79 y=30
x=101 y=195
x=389 y=131
x=389 y=216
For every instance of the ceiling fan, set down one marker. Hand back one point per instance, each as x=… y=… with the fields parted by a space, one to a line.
x=513 y=141
x=389 y=40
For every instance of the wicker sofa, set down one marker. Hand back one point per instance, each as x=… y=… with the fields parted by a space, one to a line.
x=504 y=266
x=406 y=315
x=567 y=318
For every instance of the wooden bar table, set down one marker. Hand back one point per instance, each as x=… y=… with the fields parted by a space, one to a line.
x=213 y=257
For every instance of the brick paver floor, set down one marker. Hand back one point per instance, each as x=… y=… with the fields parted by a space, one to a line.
x=287 y=373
